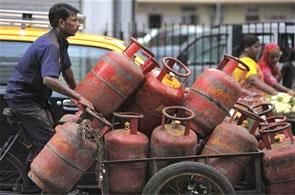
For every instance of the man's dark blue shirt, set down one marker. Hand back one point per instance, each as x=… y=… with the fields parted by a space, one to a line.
x=47 y=56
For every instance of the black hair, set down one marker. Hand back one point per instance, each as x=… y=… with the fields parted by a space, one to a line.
x=290 y=54
x=247 y=41
x=60 y=11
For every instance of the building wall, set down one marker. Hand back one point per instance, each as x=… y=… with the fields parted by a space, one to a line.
x=230 y=13
x=103 y=17
x=99 y=16
x=35 y=5
x=277 y=12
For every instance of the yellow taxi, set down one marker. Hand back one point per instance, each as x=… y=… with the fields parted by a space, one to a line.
x=84 y=50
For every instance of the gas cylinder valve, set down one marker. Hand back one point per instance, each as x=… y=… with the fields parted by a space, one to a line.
x=127 y=125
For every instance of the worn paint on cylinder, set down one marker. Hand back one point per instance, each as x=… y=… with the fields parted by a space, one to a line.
x=110 y=82
x=211 y=97
x=150 y=99
x=63 y=160
x=121 y=145
x=278 y=165
x=219 y=86
x=226 y=139
x=171 y=141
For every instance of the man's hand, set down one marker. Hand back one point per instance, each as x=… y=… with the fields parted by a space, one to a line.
x=84 y=102
x=58 y=86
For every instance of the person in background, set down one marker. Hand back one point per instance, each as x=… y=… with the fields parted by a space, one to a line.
x=288 y=70
x=252 y=81
x=37 y=75
x=269 y=66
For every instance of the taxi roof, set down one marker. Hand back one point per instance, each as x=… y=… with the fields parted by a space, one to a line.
x=30 y=34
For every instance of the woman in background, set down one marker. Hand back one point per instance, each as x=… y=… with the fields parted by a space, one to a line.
x=269 y=66
x=288 y=69
x=252 y=82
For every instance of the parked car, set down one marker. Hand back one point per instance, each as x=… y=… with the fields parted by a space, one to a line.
x=84 y=51
x=201 y=47
x=167 y=40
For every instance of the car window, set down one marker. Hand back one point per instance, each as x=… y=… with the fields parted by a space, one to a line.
x=167 y=39
x=82 y=58
x=171 y=36
x=206 y=50
x=10 y=54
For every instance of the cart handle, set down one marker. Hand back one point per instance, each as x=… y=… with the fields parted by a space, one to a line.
x=99 y=116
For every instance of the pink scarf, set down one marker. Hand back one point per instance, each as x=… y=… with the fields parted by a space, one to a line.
x=263 y=63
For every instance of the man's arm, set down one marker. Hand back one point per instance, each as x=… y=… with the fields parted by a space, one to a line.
x=56 y=85
x=68 y=76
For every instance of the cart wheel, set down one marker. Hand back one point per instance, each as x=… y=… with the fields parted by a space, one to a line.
x=188 y=178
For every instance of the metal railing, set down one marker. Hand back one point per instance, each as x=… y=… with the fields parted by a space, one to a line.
x=201 y=46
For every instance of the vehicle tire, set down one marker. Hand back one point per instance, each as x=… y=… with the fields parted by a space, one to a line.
x=188 y=178
x=12 y=173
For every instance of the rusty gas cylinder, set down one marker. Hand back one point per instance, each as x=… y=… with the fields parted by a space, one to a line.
x=114 y=78
x=126 y=144
x=157 y=92
x=278 y=162
x=64 y=159
x=229 y=138
x=173 y=139
x=266 y=110
x=212 y=95
x=70 y=117
x=273 y=119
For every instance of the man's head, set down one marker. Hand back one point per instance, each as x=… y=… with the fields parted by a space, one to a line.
x=64 y=17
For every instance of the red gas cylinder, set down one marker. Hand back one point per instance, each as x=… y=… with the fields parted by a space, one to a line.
x=70 y=117
x=265 y=110
x=124 y=144
x=269 y=121
x=157 y=92
x=212 y=96
x=173 y=139
x=114 y=78
x=64 y=159
x=278 y=161
x=229 y=138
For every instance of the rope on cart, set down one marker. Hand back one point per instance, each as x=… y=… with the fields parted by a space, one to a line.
x=85 y=131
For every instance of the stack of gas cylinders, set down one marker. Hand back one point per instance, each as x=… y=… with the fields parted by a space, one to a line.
x=162 y=119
